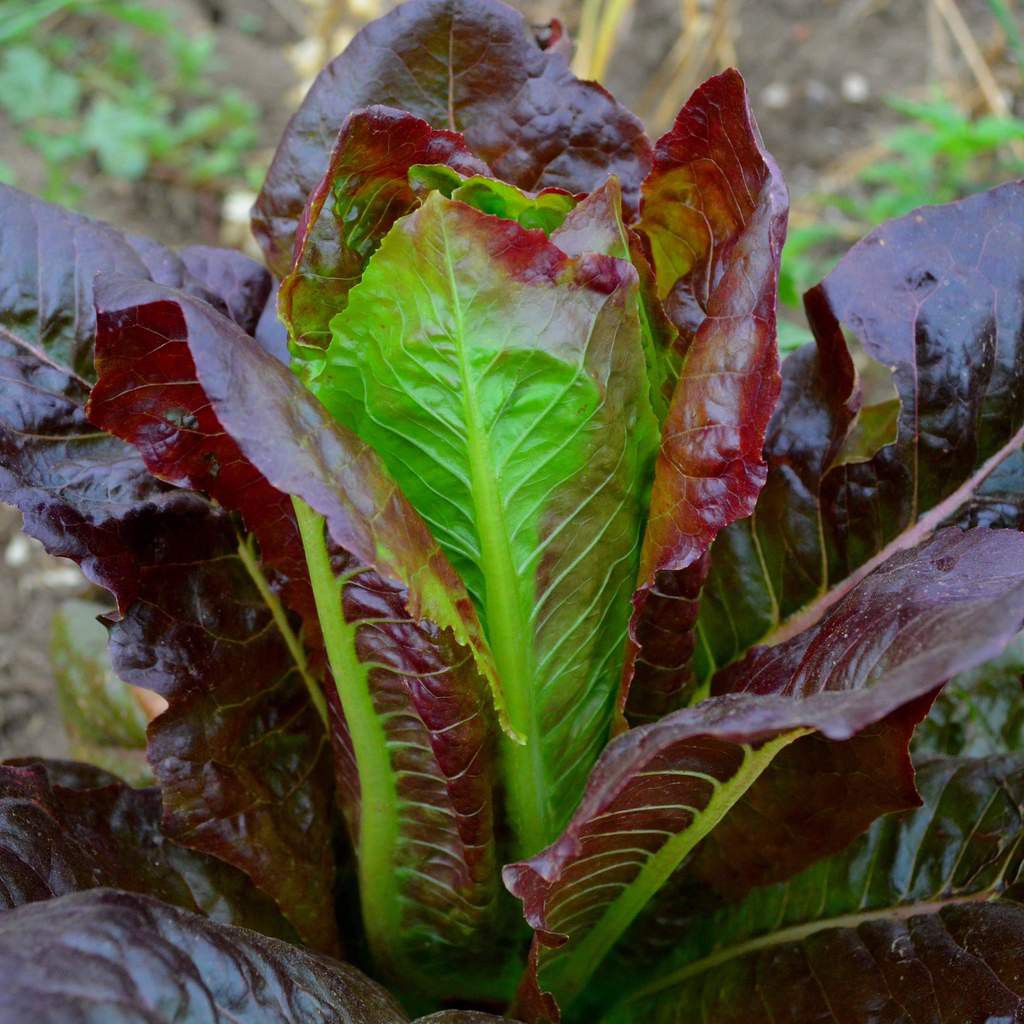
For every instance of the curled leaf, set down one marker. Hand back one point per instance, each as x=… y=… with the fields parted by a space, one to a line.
x=409 y=715
x=713 y=213
x=693 y=782
x=469 y=66
x=364 y=190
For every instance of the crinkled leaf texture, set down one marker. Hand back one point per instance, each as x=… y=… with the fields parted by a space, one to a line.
x=200 y=400
x=122 y=958
x=504 y=385
x=918 y=920
x=364 y=190
x=471 y=66
x=66 y=827
x=937 y=296
x=713 y=215
x=700 y=782
x=88 y=496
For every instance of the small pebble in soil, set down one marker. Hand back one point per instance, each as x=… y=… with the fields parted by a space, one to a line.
x=855 y=87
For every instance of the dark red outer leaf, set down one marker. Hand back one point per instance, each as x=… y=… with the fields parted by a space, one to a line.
x=89 y=496
x=80 y=491
x=240 y=754
x=471 y=66
x=424 y=683
x=67 y=827
x=240 y=285
x=120 y=957
x=818 y=406
x=367 y=183
x=860 y=680
x=713 y=213
x=937 y=296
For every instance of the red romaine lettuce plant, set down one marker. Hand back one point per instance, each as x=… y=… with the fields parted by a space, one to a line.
x=492 y=569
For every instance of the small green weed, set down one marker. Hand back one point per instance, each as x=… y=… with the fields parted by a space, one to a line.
x=85 y=91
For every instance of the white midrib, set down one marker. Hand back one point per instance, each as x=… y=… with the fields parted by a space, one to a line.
x=509 y=630
x=797 y=933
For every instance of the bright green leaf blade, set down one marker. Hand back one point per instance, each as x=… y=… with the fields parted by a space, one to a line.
x=503 y=383
x=940 y=872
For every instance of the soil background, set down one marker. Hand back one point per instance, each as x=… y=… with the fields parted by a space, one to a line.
x=818 y=71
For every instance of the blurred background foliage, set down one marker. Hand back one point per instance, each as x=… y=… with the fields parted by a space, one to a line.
x=161 y=116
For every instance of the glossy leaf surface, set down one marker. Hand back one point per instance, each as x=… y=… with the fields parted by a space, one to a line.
x=503 y=383
x=119 y=957
x=87 y=495
x=199 y=399
x=710 y=772
x=915 y=921
x=76 y=487
x=364 y=190
x=713 y=214
x=234 y=283
x=471 y=66
x=937 y=296
x=67 y=827
x=240 y=755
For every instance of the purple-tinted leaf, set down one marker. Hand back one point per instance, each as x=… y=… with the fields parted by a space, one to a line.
x=240 y=755
x=200 y=399
x=916 y=913
x=937 y=296
x=470 y=66
x=232 y=281
x=89 y=496
x=365 y=189
x=64 y=828
x=713 y=214
x=122 y=958
x=746 y=762
x=271 y=334
x=80 y=490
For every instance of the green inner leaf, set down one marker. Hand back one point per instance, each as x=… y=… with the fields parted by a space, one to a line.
x=545 y=210
x=504 y=385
